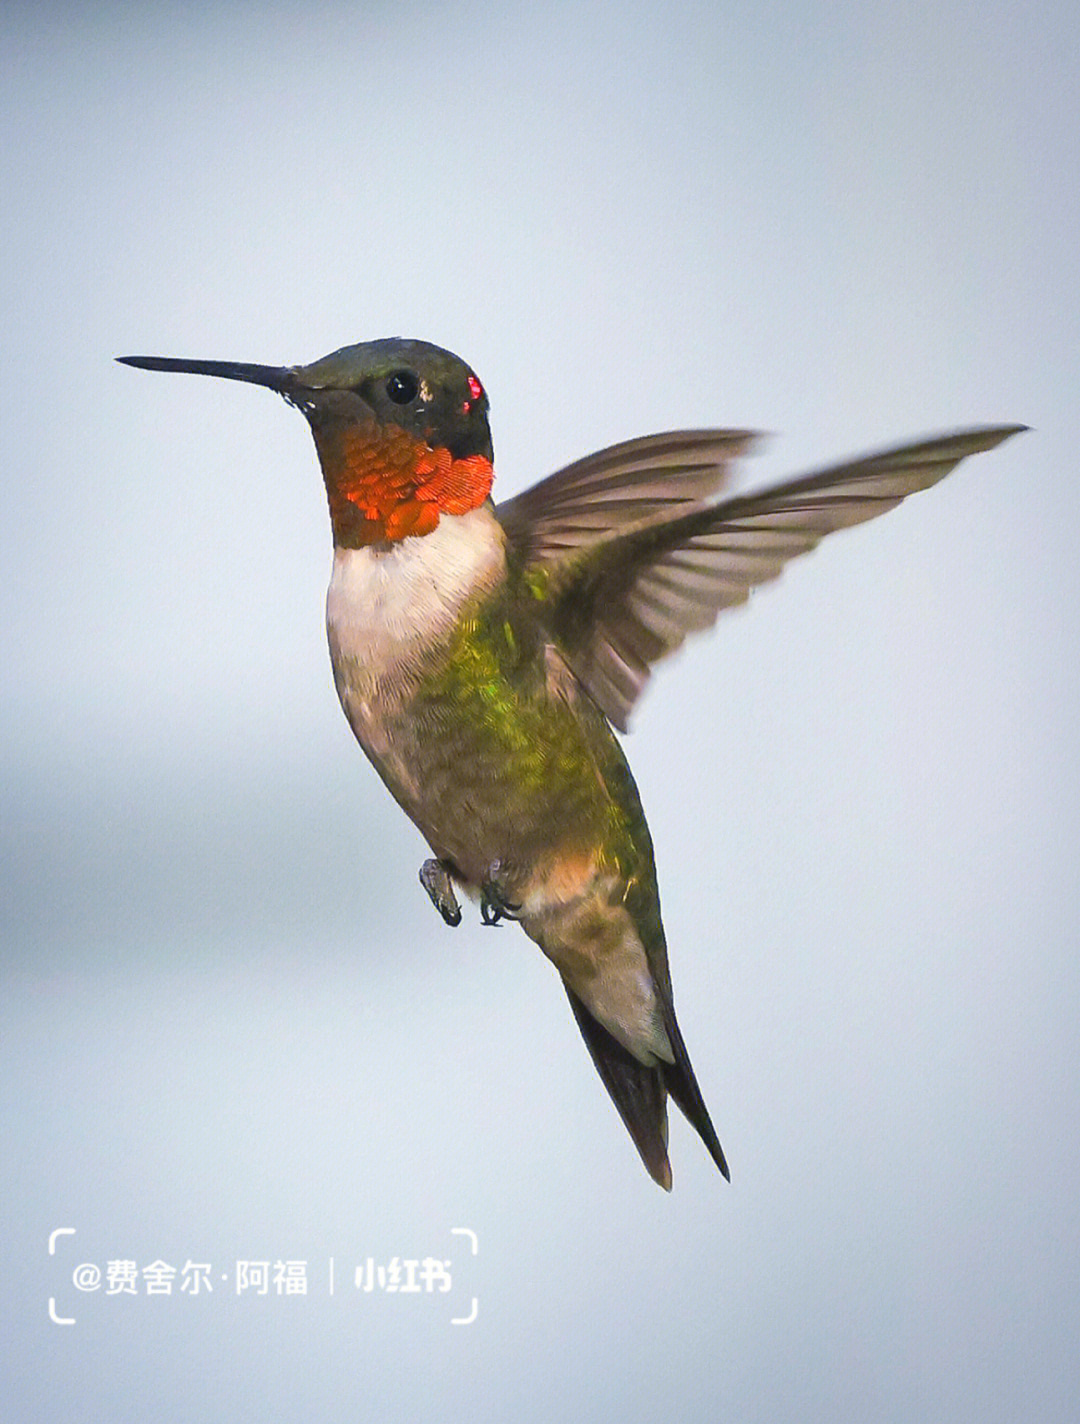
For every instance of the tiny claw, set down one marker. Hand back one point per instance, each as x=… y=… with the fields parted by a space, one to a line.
x=494 y=906
x=435 y=878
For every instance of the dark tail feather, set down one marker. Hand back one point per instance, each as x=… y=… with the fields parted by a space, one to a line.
x=682 y=1085
x=637 y=1091
x=640 y=1092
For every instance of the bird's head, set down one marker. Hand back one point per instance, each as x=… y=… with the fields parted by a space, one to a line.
x=401 y=428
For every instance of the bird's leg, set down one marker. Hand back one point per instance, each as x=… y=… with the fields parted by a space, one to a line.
x=435 y=878
x=494 y=905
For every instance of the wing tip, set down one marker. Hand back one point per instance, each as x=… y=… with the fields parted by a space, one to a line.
x=988 y=437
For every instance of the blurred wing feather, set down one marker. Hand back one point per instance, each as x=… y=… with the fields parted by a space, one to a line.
x=622 y=595
x=619 y=489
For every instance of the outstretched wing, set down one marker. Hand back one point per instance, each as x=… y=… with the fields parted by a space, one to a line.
x=617 y=490
x=619 y=596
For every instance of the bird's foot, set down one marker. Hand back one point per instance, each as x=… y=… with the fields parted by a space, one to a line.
x=494 y=905
x=435 y=878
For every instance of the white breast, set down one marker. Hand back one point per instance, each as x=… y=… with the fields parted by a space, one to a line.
x=387 y=606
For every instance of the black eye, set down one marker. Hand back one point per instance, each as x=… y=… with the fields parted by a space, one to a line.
x=402 y=387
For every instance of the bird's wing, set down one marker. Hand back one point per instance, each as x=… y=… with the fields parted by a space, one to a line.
x=618 y=595
x=618 y=489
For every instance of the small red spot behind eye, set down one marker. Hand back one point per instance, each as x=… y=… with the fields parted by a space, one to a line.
x=475 y=388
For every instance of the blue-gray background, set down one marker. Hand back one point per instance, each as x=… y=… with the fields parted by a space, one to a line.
x=233 y=1026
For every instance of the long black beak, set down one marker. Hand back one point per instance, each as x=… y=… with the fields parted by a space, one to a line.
x=278 y=378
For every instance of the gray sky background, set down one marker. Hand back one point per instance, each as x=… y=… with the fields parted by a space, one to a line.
x=233 y=1028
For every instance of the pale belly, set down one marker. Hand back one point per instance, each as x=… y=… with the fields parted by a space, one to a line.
x=479 y=776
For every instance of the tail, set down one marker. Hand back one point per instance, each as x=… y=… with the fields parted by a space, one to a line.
x=640 y=1091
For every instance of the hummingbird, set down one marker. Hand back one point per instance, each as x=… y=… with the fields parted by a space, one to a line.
x=485 y=655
